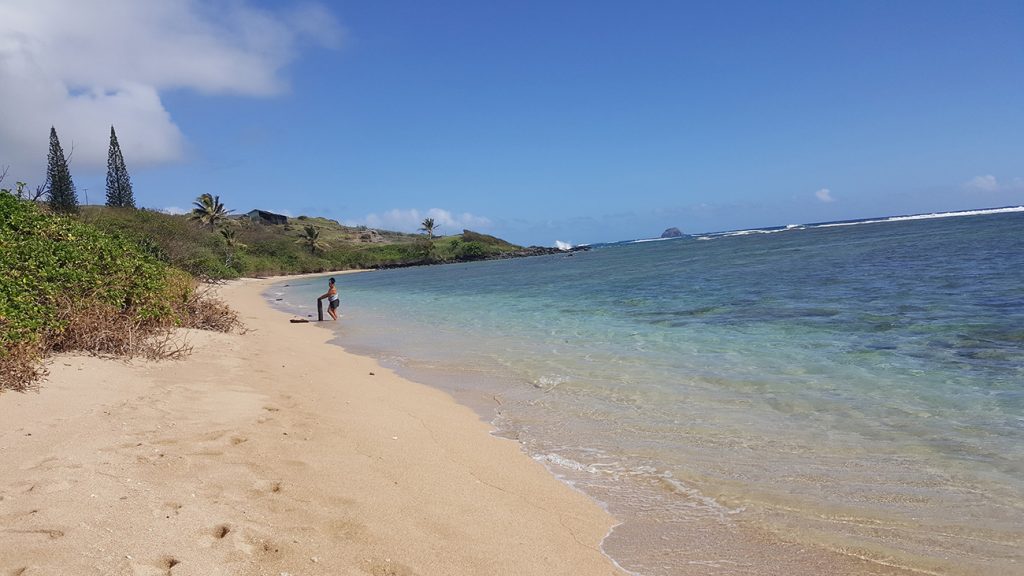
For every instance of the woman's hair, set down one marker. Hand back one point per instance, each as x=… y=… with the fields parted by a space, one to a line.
x=332 y=280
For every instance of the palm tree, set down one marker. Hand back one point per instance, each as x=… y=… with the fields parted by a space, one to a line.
x=230 y=238
x=233 y=244
x=428 y=226
x=312 y=239
x=209 y=211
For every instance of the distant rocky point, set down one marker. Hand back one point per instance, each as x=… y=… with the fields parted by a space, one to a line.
x=672 y=233
x=538 y=251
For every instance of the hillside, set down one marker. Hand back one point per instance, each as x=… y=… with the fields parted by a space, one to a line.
x=243 y=247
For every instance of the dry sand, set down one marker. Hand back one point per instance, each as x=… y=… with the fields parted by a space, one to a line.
x=272 y=452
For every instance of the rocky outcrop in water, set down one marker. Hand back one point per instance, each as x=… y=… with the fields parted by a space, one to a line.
x=672 y=233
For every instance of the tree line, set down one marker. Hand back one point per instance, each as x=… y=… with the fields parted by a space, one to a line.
x=59 y=190
x=60 y=193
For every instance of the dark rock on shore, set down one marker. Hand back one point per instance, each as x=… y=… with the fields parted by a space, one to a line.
x=672 y=233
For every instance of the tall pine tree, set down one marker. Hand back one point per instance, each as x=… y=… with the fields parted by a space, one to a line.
x=59 y=186
x=119 y=184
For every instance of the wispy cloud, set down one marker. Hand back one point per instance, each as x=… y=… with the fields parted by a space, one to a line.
x=989 y=183
x=174 y=210
x=83 y=66
x=824 y=195
x=409 y=220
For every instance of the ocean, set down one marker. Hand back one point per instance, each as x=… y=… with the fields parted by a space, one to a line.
x=839 y=398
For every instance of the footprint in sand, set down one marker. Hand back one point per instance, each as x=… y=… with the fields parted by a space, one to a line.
x=270 y=547
x=220 y=531
x=169 y=562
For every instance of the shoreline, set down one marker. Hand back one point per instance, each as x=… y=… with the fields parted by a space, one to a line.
x=737 y=541
x=268 y=452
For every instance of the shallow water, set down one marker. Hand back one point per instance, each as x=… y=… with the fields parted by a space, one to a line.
x=746 y=401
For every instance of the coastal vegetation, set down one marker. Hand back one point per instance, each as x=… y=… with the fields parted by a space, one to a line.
x=240 y=247
x=66 y=285
x=237 y=246
x=117 y=280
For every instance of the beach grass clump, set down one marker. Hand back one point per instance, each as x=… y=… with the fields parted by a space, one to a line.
x=199 y=307
x=67 y=286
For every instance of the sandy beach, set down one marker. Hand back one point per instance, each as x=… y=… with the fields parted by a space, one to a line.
x=272 y=452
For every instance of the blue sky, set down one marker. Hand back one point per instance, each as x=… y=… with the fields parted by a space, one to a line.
x=535 y=121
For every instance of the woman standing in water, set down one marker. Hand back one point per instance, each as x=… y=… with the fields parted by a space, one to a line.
x=332 y=299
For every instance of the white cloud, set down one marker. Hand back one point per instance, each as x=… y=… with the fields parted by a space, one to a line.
x=174 y=210
x=411 y=219
x=989 y=183
x=825 y=195
x=83 y=66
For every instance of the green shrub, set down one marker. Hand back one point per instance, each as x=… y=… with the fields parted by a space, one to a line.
x=175 y=240
x=45 y=257
x=472 y=250
x=65 y=285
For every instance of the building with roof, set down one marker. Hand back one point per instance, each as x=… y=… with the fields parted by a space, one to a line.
x=264 y=217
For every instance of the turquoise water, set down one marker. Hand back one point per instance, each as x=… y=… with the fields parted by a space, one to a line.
x=844 y=396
